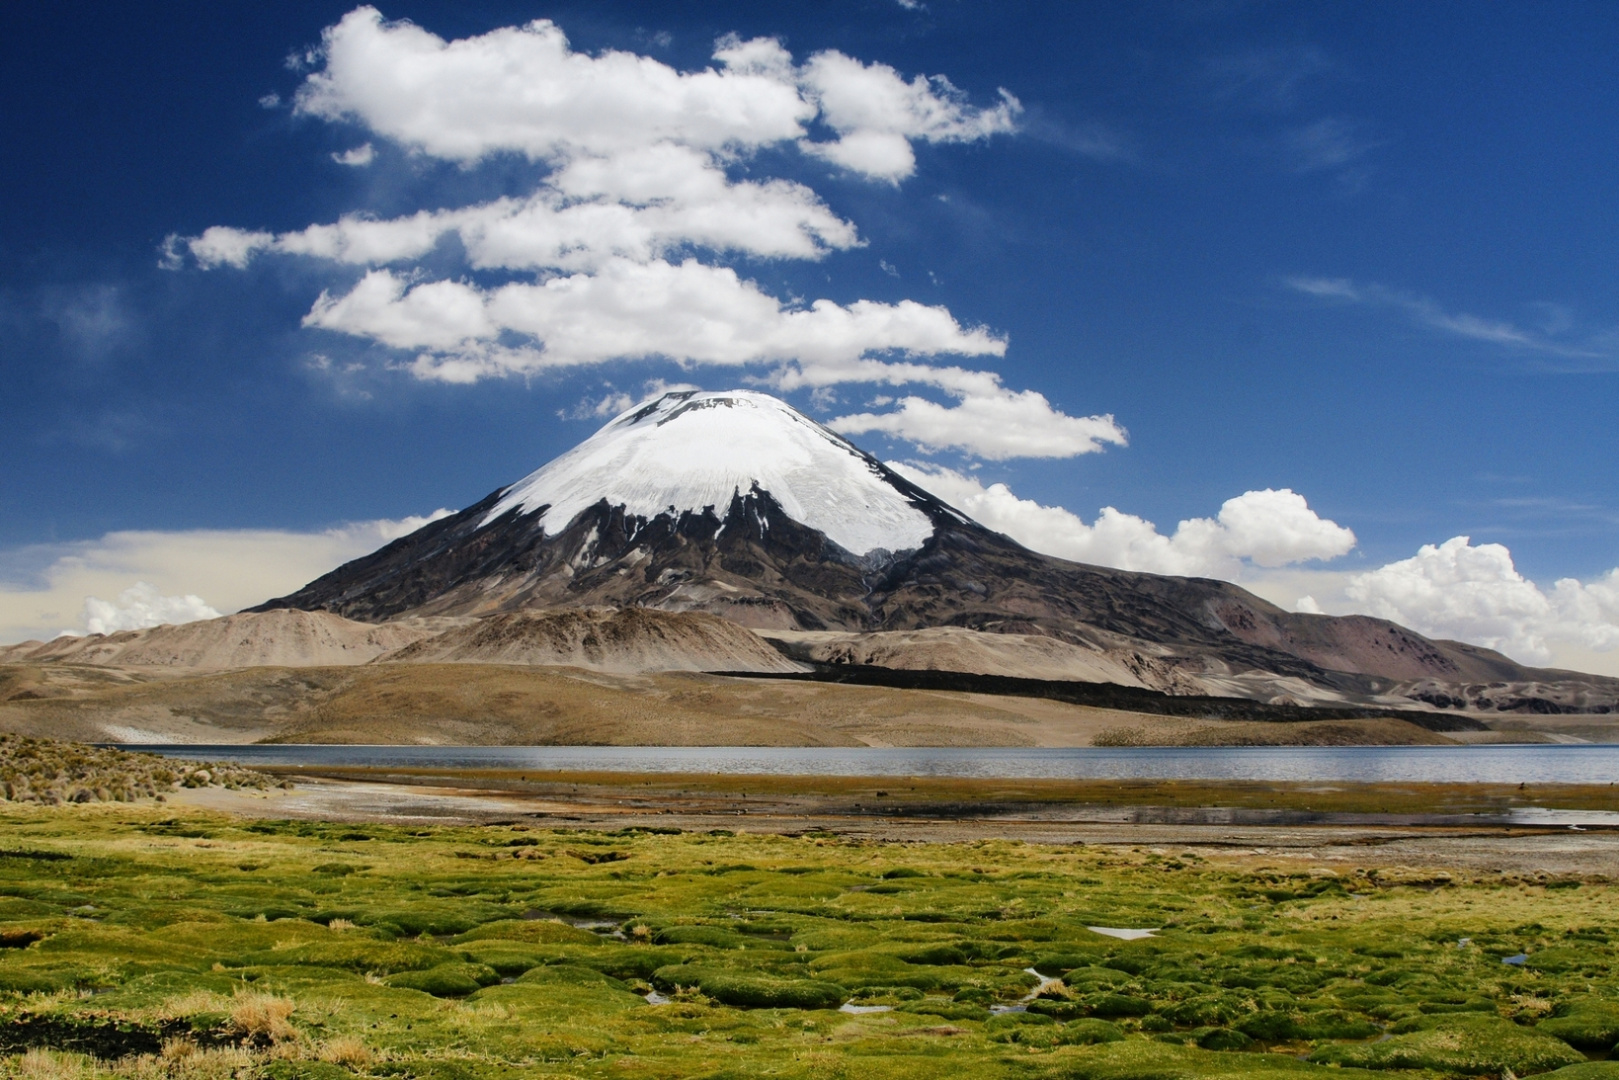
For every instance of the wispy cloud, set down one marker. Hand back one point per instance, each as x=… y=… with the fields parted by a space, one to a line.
x=609 y=404
x=1282 y=86
x=114 y=430
x=1550 y=515
x=1088 y=139
x=85 y=323
x=1429 y=313
x=359 y=157
x=1329 y=143
x=1269 y=80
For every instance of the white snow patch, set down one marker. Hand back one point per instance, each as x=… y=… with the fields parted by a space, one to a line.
x=688 y=451
x=1122 y=933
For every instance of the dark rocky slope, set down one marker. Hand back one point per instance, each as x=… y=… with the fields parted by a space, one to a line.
x=758 y=567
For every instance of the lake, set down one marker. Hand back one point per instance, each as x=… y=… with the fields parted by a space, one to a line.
x=1531 y=764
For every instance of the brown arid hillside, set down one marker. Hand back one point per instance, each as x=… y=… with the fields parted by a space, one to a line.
x=662 y=542
x=603 y=639
x=600 y=675
x=757 y=567
x=952 y=648
x=274 y=639
x=504 y=704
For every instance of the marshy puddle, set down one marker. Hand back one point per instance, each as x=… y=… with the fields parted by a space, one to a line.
x=1045 y=983
x=1123 y=933
x=604 y=927
x=860 y=1010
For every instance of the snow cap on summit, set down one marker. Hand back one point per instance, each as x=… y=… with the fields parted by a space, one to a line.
x=689 y=450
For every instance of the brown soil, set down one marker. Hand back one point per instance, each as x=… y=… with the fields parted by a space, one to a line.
x=494 y=704
x=1376 y=732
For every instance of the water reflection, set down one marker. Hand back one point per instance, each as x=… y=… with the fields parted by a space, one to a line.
x=1547 y=764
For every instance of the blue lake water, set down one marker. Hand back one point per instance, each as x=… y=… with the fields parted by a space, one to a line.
x=1550 y=764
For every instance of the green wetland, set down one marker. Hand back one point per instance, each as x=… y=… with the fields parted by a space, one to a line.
x=139 y=941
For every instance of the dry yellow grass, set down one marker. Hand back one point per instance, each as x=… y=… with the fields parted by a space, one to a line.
x=175 y=1050
x=346 y=1050
x=263 y=1018
x=51 y=1065
x=197 y=1001
x=186 y=1061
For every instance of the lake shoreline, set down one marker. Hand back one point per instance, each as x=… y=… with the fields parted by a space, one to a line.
x=1433 y=828
x=1537 y=764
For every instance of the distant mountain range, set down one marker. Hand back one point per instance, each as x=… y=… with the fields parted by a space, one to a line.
x=735 y=504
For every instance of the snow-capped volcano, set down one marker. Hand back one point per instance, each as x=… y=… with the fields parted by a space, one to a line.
x=737 y=505
x=689 y=451
x=732 y=502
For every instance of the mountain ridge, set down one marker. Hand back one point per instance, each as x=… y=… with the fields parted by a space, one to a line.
x=754 y=562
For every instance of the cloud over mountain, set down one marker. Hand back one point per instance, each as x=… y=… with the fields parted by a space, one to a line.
x=1270 y=541
x=141 y=606
x=1475 y=593
x=170 y=576
x=1262 y=528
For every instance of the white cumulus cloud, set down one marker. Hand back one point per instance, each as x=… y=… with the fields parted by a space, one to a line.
x=1475 y=593
x=221 y=245
x=689 y=312
x=1272 y=542
x=141 y=606
x=1259 y=528
x=524 y=90
x=877 y=114
x=627 y=231
x=639 y=204
x=996 y=424
x=359 y=157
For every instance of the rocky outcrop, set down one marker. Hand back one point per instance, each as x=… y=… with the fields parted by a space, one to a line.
x=626 y=641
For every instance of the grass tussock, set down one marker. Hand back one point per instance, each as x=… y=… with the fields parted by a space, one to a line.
x=51 y=772
x=263 y=1018
x=346 y=1050
x=40 y=1064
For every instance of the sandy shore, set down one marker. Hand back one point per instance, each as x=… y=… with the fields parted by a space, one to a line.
x=1419 y=843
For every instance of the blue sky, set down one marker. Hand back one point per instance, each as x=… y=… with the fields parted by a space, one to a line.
x=1362 y=253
